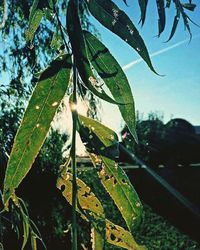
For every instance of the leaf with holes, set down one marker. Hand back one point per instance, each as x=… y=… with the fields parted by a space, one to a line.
x=114 y=19
x=91 y=210
x=120 y=237
x=88 y=205
x=98 y=138
x=115 y=79
x=78 y=47
x=112 y=176
x=36 y=122
x=118 y=185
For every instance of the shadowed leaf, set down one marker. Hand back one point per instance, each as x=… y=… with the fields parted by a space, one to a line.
x=114 y=19
x=189 y=6
x=98 y=138
x=161 y=14
x=175 y=23
x=78 y=47
x=143 y=9
x=115 y=79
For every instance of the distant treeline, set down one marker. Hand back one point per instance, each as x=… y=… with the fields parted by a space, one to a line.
x=173 y=143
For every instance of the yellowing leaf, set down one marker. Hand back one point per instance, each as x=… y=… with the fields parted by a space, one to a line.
x=102 y=142
x=91 y=209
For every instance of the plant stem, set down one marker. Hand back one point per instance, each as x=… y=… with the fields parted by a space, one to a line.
x=73 y=159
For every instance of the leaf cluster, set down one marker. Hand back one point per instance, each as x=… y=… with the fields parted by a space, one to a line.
x=94 y=69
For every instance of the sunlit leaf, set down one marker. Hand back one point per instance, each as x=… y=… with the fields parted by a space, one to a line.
x=115 y=234
x=88 y=205
x=143 y=9
x=114 y=19
x=79 y=51
x=161 y=14
x=97 y=240
x=115 y=79
x=118 y=185
x=111 y=174
x=36 y=122
x=33 y=241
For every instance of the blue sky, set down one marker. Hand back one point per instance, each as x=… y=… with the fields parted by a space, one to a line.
x=176 y=94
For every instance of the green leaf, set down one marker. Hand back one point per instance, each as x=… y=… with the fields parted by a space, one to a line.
x=36 y=122
x=56 y=41
x=118 y=185
x=115 y=79
x=25 y=229
x=38 y=9
x=143 y=9
x=79 y=51
x=161 y=14
x=87 y=200
x=33 y=241
x=19 y=203
x=97 y=240
x=101 y=141
x=35 y=17
x=114 y=19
